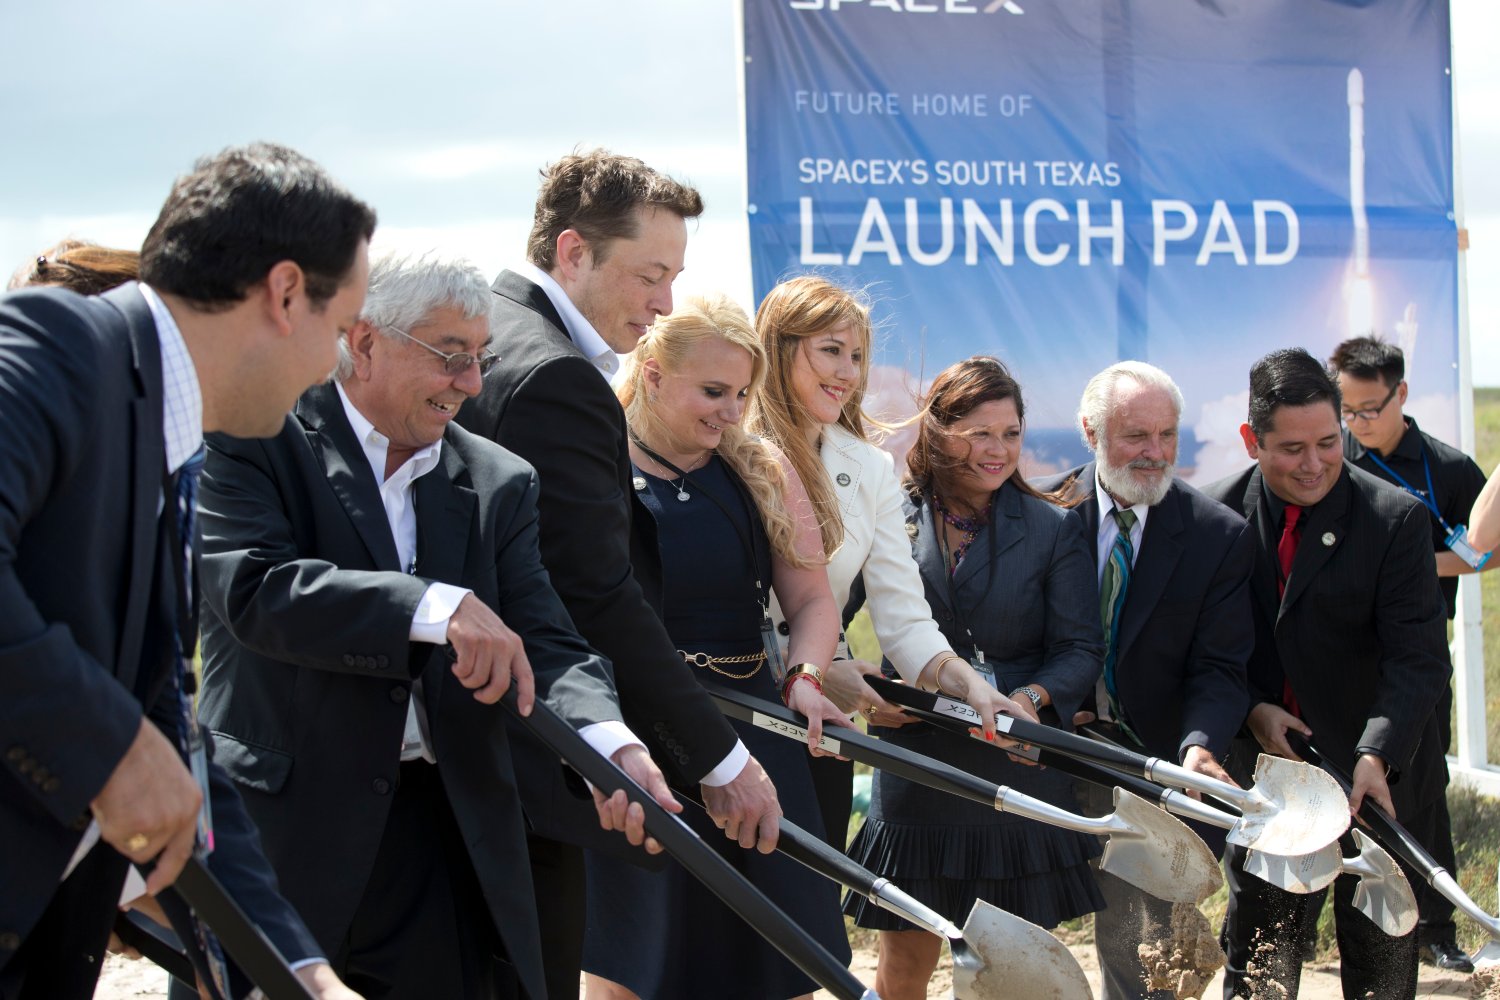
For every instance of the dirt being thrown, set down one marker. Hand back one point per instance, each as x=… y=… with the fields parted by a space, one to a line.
x=1187 y=960
x=1485 y=984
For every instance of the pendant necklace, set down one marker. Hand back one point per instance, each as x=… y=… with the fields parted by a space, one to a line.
x=683 y=496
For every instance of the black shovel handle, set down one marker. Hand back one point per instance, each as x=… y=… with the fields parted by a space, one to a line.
x=1075 y=767
x=246 y=943
x=692 y=853
x=1026 y=731
x=156 y=944
x=857 y=746
x=1391 y=834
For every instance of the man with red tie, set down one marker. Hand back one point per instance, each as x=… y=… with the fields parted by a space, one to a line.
x=1350 y=651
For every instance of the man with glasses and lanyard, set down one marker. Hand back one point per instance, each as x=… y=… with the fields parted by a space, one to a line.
x=1380 y=439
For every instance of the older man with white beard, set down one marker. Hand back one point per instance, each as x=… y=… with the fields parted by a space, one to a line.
x=1174 y=571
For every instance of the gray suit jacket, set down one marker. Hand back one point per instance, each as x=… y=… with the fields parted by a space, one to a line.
x=308 y=666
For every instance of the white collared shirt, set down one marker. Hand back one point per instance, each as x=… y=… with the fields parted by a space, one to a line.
x=580 y=330
x=430 y=622
x=441 y=600
x=181 y=396
x=1109 y=529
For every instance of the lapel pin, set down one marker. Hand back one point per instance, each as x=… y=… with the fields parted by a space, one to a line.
x=639 y=482
x=1328 y=538
x=842 y=478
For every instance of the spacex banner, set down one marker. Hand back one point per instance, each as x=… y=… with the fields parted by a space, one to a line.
x=1065 y=183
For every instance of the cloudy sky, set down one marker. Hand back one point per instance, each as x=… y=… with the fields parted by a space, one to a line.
x=440 y=112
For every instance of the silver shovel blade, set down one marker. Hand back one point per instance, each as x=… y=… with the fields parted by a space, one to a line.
x=1302 y=874
x=1157 y=853
x=1009 y=957
x=1383 y=893
x=1295 y=809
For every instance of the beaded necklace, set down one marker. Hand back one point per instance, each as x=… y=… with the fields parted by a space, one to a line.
x=969 y=526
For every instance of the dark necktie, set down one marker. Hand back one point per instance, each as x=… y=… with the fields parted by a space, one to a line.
x=1286 y=554
x=189 y=736
x=1112 y=588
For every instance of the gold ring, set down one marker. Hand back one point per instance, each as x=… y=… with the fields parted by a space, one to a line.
x=137 y=842
x=870 y=711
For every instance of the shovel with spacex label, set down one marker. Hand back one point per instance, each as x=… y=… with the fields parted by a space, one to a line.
x=1291 y=809
x=1146 y=847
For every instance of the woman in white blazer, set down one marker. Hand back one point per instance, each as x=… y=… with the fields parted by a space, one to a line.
x=817 y=341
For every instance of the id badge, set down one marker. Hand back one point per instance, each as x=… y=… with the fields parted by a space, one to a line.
x=985 y=670
x=1458 y=542
x=198 y=764
x=773 y=650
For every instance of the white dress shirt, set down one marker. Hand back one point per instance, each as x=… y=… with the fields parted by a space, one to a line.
x=440 y=600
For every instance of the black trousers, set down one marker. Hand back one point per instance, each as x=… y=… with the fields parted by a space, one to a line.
x=557 y=876
x=423 y=928
x=1263 y=929
x=61 y=956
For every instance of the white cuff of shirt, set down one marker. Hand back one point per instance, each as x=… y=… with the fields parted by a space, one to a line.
x=608 y=737
x=430 y=623
x=729 y=768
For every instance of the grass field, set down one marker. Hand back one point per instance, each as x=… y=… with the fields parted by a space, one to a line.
x=1476 y=818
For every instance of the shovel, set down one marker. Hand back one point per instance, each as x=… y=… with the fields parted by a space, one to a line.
x=996 y=955
x=1403 y=845
x=1383 y=894
x=679 y=839
x=1291 y=809
x=1144 y=846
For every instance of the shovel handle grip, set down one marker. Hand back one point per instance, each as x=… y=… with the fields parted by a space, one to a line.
x=679 y=839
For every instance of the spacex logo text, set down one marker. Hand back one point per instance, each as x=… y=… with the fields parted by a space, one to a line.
x=915 y=6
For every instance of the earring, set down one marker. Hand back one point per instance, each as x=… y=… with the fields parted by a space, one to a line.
x=651 y=396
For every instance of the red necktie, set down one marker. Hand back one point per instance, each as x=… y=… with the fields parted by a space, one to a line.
x=1286 y=552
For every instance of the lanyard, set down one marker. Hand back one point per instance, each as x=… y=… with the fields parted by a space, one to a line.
x=959 y=618
x=1430 y=500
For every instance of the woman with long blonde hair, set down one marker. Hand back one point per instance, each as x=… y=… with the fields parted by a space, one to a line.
x=732 y=524
x=817 y=336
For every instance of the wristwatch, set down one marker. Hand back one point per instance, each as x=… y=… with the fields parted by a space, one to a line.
x=1031 y=693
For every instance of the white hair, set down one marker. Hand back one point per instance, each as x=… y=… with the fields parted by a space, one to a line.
x=406 y=288
x=1099 y=395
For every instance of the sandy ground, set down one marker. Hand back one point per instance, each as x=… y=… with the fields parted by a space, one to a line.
x=124 y=980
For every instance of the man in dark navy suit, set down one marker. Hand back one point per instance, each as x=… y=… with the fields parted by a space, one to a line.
x=104 y=402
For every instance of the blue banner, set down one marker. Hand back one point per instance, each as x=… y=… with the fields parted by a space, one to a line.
x=1065 y=183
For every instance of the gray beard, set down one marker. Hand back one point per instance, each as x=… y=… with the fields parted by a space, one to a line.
x=1123 y=486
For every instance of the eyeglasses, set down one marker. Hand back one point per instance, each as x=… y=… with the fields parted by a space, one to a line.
x=455 y=364
x=1352 y=415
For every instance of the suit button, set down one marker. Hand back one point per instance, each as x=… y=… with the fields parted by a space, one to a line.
x=348 y=660
x=27 y=766
x=16 y=754
x=362 y=661
x=82 y=822
x=51 y=785
x=784 y=628
x=682 y=759
x=10 y=940
x=41 y=775
x=380 y=786
x=659 y=726
x=399 y=695
x=381 y=661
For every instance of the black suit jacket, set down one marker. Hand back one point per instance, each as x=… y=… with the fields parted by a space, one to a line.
x=548 y=404
x=1360 y=630
x=87 y=601
x=1186 y=630
x=308 y=664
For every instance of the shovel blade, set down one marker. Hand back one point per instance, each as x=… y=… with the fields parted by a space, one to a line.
x=1003 y=956
x=1383 y=893
x=1301 y=874
x=1296 y=809
x=1157 y=853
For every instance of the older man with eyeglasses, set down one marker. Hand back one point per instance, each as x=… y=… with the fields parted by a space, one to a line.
x=372 y=586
